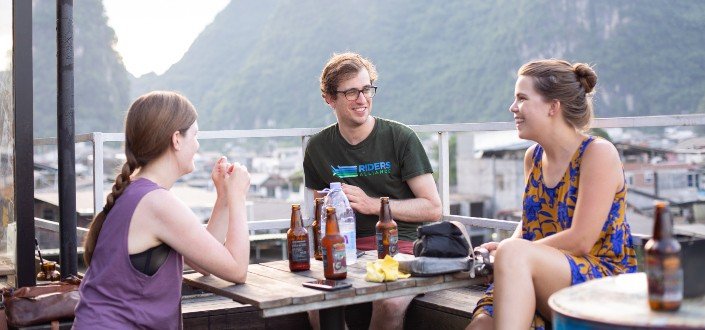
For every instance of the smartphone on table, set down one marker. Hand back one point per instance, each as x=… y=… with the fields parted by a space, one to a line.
x=327 y=285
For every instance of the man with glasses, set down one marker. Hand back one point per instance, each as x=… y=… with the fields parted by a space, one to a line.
x=372 y=157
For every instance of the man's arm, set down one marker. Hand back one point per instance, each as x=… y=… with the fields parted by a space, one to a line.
x=426 y=206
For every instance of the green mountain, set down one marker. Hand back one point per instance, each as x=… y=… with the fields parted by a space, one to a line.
x=440 y=61
x=101 y=83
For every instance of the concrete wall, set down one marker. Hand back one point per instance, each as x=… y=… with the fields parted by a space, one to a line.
x=500 y=180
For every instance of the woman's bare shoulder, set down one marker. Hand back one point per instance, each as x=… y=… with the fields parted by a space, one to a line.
x=601 y=150
x=162 y=204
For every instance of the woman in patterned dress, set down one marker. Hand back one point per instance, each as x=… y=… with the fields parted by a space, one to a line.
x=573 y=224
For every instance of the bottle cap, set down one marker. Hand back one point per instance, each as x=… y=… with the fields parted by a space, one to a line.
x=335 y=186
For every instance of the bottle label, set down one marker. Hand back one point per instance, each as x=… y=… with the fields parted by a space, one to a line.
x=324 y=255
x=387 y=242
x=393 y=241
x=299 y=251
x=339 y=265
x=665 y=278
x=348 y=233
x=380 y=243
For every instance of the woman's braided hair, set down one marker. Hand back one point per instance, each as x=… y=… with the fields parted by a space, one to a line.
x=149 y=125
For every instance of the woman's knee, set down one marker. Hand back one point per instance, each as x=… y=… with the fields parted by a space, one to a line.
x=512 y=251
x=481 y=322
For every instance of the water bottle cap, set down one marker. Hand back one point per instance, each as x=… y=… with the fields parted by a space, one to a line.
x=335 y=186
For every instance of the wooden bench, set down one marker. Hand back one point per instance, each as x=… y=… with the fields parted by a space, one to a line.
x=209 y=311
x=205 y=311
x=446 y=309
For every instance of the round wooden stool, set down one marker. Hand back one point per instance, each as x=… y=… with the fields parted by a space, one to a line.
x=619 y=302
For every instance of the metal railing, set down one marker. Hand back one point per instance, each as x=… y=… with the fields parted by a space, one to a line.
x=442 y=131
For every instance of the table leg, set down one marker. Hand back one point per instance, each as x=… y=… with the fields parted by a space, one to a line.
x=332 y=318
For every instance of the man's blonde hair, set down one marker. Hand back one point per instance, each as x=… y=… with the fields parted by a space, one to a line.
x=341 y=67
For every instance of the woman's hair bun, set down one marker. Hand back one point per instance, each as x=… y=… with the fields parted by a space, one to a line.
x=586 y=75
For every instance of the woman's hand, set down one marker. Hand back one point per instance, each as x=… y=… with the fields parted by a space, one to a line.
x=490 y=246
x=487 y=251
x=237 y=180
x=218 y=174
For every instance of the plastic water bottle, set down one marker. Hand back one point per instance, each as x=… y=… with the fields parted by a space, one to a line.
x=346 y=219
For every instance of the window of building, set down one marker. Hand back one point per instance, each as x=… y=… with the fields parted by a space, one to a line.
x=649 y=177
x=499 y=181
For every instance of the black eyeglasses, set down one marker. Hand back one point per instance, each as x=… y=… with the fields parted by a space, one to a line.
x=353 y=93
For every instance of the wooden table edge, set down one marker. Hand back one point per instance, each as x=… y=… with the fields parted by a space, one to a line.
x=414 y=290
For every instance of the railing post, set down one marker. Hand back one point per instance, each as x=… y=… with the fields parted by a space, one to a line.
x=308 y=200
x=308 y=196
x=98 y=141
x=66 y=137
x=23 y=166
x=444 y=171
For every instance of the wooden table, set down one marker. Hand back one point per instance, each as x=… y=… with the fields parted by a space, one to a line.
x=619 y=302
x=275 y=290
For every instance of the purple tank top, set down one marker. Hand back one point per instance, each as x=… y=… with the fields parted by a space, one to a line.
x=115 y=295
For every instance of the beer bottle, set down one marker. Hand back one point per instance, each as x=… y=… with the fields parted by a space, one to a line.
x=664 y=272
x=333 y=249
x=316 y=225
x=297 y=242
x=386 y=230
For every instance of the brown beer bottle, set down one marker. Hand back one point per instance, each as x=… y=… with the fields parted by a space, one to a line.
x=664 y=272
x=333 y=249
x=386 y=230
x=297 y=242
x=316 y=225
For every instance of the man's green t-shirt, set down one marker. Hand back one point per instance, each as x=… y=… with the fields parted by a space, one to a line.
x=379 y=165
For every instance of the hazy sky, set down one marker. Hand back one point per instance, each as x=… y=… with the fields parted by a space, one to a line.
x=5 y=32
x=152 y=34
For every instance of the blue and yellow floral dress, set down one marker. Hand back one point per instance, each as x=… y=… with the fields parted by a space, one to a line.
x=550 y=210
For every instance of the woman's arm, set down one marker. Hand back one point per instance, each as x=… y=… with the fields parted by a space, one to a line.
x=237 y=239
x=601 y=176
x=218 y=221
x=528 y=167
x=177 y=226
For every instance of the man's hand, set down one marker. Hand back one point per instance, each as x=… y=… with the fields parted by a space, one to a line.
x=359 y=200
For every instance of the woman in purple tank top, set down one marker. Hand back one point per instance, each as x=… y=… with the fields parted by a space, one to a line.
x=137 y=244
